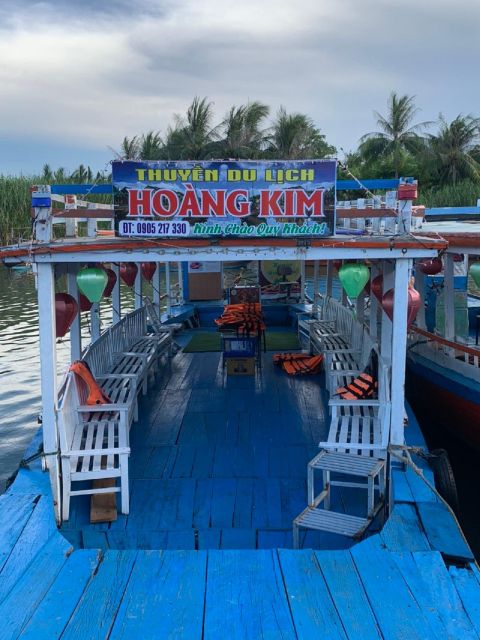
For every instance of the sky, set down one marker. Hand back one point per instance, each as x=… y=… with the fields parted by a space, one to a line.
x=78 y=76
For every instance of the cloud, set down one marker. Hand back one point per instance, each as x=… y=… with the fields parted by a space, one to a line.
x=87 y=75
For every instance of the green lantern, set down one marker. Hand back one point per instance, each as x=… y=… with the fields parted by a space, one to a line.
x=353 y=276
x=475 y=273
x=92 y=282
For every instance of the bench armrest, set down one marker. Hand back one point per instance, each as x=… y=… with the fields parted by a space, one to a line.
x=354 y=403
x=97 y=452
x=99 y=408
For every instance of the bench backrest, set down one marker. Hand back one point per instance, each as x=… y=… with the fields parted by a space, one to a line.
x=99 y=355
x=67 y=415
x=135 y=326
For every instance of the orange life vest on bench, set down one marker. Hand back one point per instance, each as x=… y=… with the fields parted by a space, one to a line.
x=361 y=388
x=95 y=393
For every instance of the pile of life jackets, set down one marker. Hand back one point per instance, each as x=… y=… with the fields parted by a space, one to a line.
x=244 y=318
x=361 y=388
x=298 y=363
x=95 y=393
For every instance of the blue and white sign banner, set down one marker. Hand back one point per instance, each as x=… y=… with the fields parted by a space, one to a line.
x=235 y=198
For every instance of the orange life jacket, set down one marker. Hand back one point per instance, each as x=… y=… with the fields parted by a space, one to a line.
x=95 y=393
x=298 y=363
x=361 y=388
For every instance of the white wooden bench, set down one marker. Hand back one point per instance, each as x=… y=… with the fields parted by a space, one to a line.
x=93 y=444
x=362 y=427
x=342 y=364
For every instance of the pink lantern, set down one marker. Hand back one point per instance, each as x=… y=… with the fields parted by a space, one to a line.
x=148 y=269
x=128 y=273
x=414 y=304
x=376 y=287
x=112 y=279
x=85 y=304
x=430 y=266
x=66 y=308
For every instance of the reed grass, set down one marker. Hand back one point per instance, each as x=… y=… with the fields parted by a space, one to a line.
x=463 y=194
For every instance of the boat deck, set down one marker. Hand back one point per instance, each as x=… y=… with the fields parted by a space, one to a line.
x=218 y=462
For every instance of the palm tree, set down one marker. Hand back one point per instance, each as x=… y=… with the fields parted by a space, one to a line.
x=455 y=150
x=295 y=136
x=397 y=136
x=130 y=148
x=150 y=146
x=196 y=133
x=243 y=137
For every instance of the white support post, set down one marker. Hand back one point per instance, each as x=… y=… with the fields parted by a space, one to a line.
x=48 y=376
x=302 y=281
x=399 y=350
x=373 y=320
x=95 y=321
x=167 y=288
x=448 y=297
x=386 y=330
x=75 y=329
x=360 y=306
x=71 y=224
x=420 y=287
x=156 y=285
x=404 y=216
x=315 y=287
x=92 y=222
x=329 y=283
x=116 y=301
x=42 y=215
x=180 y=283
x=138 y=287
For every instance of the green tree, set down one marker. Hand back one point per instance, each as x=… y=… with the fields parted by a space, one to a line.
x=397 y=138
x=243 y=137
x=130 y=148
x=150 y=146
x=194 y=135
x=294 y=136
x=455 y=149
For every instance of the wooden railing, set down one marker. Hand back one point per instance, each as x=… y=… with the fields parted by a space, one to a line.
x=471 y=355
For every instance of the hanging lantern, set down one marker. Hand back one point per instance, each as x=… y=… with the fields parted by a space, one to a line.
x=376 y=287
x=353 y=277
x=85 y=304
x=66 y=308
x=112 y=279
x=430 y=266
x=474 y=272
x=148 y=269
x=128 y=273
x=414 y=304
x=91 y=282
x=458 y=257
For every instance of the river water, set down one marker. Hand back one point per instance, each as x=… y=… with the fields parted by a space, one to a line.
x=20 y=403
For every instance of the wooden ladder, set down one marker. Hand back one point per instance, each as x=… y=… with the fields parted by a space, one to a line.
x=322 y=519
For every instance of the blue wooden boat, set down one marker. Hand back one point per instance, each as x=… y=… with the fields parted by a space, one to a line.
x=219 y=469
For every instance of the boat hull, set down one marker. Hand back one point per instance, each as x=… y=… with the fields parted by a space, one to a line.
x=452 y=401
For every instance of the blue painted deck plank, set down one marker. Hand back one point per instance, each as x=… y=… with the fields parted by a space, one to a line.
x=27 y=592
x=274 y=539
x=164 y=597
x=203 y=462
x=193 y=430
x=185 y=504
x=293 y=499
x=223 y=502
x=209 y=538
x=99 y=603
x=238 y=539
x=37 y=531
x=160 y=462
x=314 y=613
x=420 y=491
x=467 y=587
x=388 y=593
x=245 y=597
x=15 y=510
x=122 y=540
x=54 y=611
x=348 y=594
x=442 y=531
x=260 y=505
x=183 y=462
x=429 y=581
x=402 y=531
x=202 y=503
x=178 y=539
x=167 y=422
x=401 y=488
x=224 y=460
x=274 y=503
x=242 y=516
x=94 y=539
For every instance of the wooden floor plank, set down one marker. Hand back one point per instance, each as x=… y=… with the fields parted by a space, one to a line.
x=442 y=531
x=388 y=593
x=403 y=530
x=467 y=587
x=49 y=619
x=202 y=503
x=242 y=516
x=348 y=594
x=223 y=502
x=164 y=598
x=99 y=603
x=28 y=591
x=430 y=583
x=314 y=613
x=15 y=510
x=238 y=539
x=245 y=597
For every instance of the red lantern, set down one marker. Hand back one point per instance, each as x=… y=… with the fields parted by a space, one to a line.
x=128 y=273
x=66 y=308
x=148 y=269
x=112 y=279
x=85 y=304
x=430 y=266
x=376 y=287
x=414 y=304
x=337 y=264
